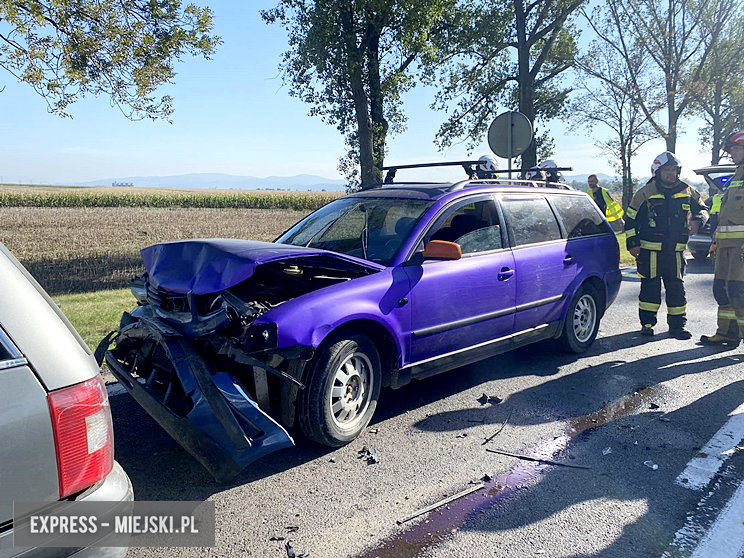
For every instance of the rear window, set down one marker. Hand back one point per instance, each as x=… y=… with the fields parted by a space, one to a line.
x=8 y=351
x=580 y=216
x=531 y=220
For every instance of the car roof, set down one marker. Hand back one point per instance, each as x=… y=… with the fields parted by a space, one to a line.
x=435 y=190
x=716 y=168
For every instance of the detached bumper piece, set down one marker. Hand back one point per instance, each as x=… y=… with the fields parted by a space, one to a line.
x=208 y=413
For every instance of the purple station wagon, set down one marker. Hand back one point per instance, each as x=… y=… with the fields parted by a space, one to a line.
x=233 y=343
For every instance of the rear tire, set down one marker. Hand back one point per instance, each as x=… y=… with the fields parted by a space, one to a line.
x=582 y=320
x=341 y=391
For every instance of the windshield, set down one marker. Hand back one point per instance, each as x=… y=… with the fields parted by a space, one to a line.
x=369 y=228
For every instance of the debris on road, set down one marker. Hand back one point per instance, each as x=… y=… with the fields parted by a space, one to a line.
x=463 y=435
x=486 y=478
x=290 y=551
x=332 y=460
x=651 y=465
x=607 y=451
x=374 y=430
x=447 y=500
x=653 y=406
x=292 y=528
x=498 y=431
x=369 y=454
x=277 y=539
x=492 y=399
x=664 y=419
x=537 y=459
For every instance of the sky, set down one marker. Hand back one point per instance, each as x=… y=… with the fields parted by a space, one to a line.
x=234 y=116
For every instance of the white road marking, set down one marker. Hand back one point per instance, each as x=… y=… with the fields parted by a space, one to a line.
x=726 y=537
x=115 y=389
x=700 y=470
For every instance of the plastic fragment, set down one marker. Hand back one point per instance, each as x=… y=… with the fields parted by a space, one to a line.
x=369 y=454
x=494 y=400
x=651 y=465
x=607 y=451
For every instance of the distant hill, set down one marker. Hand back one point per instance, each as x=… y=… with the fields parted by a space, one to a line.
x=227 y=182
x=582 y=177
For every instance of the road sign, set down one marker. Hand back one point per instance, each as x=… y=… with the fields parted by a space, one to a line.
x=510 y=134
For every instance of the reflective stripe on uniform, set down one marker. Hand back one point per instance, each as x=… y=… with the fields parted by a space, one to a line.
x=736 y=184
x=630 y=233
x=726 y=314
x=656 y=196
x=649 y=306
x=653 y=246
x=680 y=247
x=653 y=265
x=631 y=213
x=731 y=228
x=720 y=234
x=676 y=310
x=682 y=195
x=679 y=264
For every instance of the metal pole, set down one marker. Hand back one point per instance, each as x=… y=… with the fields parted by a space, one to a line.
x=509 y=141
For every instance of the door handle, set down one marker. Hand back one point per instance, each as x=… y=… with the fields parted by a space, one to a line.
x=568 y=260
x=505 y=274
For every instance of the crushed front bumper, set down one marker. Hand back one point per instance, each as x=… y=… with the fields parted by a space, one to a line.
x=206 y=411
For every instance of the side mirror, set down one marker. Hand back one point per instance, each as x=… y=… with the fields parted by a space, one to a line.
x=442 y=250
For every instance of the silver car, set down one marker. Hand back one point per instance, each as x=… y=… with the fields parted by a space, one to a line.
x=56 y=432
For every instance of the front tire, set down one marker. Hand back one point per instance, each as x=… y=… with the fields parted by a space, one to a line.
x=341 y=392
x=582 y=321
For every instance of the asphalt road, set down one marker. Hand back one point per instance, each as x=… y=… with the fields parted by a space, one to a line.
x=625 y=402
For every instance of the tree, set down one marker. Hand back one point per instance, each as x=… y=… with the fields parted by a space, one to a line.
x=351 y=60
x=678 y=36
x=126 y=50
x=507 y=53
x=606 y=102
x=719 y=95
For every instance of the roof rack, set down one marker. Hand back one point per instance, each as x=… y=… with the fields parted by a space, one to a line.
x=466 y=165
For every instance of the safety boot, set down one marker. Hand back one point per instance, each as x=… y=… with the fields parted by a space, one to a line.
x=718 y=340
x=681 y=333
x=647 y=330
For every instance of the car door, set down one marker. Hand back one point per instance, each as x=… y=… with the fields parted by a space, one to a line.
x=461 y=304
x=544 y=267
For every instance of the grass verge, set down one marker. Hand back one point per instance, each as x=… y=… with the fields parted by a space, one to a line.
x=96 y=313
x=626 y=260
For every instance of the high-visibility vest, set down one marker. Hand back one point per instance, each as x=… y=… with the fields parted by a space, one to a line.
x=613 y=210
x=716 y=207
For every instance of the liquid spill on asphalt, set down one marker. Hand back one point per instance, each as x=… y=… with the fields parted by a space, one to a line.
x=439 y=525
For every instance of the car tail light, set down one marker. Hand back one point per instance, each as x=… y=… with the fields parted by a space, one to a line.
x=83 y=435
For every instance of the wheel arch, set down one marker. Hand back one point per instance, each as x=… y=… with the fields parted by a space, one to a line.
x=380 y=336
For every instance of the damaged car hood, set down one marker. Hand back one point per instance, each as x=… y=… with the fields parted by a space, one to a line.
x=206 y=266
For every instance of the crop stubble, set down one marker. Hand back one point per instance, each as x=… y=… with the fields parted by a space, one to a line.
x=75 y=250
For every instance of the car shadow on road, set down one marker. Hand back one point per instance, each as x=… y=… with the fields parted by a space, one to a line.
x=160 y=469
x=624 y=478
x=577 y=394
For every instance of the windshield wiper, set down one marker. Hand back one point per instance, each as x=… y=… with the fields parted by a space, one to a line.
x=365 y=232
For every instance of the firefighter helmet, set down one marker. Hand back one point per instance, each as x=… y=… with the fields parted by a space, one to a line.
x=666 y=159
x=535 y=173
x=549 y=167
x=737 y=138
x=488 y=167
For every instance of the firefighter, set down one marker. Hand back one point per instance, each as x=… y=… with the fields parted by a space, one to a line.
x=657 y=231
x=609 y=207
x=728 y=248
x=550 y=168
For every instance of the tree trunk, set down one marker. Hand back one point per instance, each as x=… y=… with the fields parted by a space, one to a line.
x=717 y=125
x=355 y=58
x=379 y=124
x=525 y=80
x=626 y=156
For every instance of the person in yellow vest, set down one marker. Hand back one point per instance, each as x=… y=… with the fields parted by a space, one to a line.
x=656 y=228
x=728 y=247
x=609 y=207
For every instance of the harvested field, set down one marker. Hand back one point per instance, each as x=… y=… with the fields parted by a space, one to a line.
x=78 y=250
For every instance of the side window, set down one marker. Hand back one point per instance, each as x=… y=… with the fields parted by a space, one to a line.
x=473 y=225
x=579 y=215
x=530 y=219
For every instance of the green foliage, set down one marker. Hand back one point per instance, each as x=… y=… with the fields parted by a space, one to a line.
x=507 y=54
x=66 y=49
x=298 y=202
x=351 y=60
